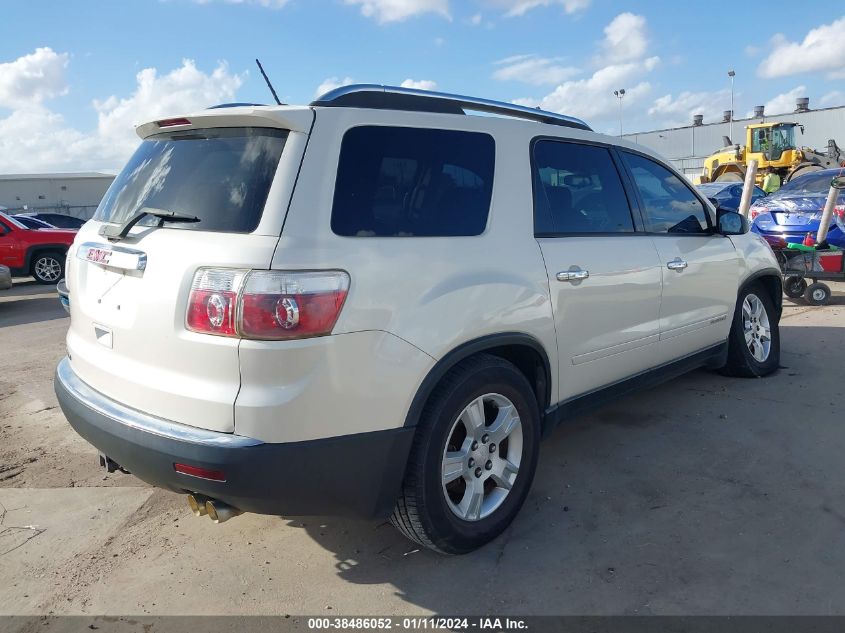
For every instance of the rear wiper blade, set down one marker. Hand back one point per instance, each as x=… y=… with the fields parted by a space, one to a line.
x=114 y=233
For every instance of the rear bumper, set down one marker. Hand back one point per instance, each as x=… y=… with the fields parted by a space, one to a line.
x=353 y=475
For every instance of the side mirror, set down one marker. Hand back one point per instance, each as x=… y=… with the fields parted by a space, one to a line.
x=731 y=223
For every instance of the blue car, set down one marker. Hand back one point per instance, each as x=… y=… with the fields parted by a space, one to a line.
x=728 y=194
x=796 y=209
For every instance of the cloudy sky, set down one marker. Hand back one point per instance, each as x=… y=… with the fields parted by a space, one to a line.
x=75 y=77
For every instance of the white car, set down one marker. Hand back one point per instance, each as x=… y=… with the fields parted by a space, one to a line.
x=377 y=304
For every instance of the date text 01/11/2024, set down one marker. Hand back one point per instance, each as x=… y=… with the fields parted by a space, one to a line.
x=419 y=623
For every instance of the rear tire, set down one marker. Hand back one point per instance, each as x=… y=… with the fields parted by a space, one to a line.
x=794 y=287
x=803 y=171
x=754 y=341
x=817 y=294
x=473 y=457
x=48 y=268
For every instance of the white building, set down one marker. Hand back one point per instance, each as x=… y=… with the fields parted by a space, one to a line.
x=687 y=147
x=76 y=194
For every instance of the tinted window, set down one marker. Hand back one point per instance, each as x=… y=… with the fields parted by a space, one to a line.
x=222 y=176
x=32 y=223
x=408 y=182
x=670 y=204
x=61 y=221
x=811 y=183
x=577 y=189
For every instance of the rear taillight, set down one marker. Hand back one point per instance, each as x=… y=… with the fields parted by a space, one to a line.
x=266 y=304
x=213 y=302
x=755 y=212
x=284 y=305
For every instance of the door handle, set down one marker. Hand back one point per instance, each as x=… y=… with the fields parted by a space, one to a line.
x=676 y=264
x=573 y=274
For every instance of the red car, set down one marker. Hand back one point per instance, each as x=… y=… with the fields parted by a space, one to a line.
x=37 y=252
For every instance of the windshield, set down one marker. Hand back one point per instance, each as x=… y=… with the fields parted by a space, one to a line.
x=783 y=137
x=810 y=184
x=220 y=175
x=11 y=221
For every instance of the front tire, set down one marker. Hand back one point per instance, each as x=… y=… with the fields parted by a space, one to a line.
x=48 y=268
x=473 y=458
x=754 y=341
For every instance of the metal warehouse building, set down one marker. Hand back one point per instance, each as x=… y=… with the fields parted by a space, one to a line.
x=687 y=147
x=76 y=194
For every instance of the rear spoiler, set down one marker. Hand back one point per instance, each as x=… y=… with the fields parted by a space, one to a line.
x=294 y=118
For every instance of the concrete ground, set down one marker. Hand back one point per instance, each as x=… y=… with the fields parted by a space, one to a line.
x=706 y=495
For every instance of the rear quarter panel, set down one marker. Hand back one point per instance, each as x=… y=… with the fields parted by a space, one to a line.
x=434 y=293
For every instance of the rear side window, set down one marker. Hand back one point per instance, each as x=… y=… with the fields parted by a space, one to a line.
x=220 y=175
x=412 y=182
x=670 y=204
x=577 y=189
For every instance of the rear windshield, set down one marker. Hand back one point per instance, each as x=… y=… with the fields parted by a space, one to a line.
x=811 y=183
x=412 y=182
x=220 y=175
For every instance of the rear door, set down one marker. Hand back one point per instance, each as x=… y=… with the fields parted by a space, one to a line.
x=129 y=297
x=700 y=268
x=604 y=275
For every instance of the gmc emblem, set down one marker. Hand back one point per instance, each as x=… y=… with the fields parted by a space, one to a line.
x=98 y=255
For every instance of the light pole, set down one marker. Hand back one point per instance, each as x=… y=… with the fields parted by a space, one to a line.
x=619 y=94
x=732 y=74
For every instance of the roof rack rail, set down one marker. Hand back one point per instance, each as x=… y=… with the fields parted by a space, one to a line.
x=380 y=97
x=233 y=105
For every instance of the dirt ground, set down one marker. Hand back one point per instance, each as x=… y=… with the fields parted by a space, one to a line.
x=706 y=495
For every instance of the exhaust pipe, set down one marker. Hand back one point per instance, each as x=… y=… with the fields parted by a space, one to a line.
x=220 y=512
x=197 y=504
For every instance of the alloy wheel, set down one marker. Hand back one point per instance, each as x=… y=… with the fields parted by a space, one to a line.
x=48 y=269
x=482 y=457
x=756 y=327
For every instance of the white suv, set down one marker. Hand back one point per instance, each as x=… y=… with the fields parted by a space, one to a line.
x=379 y=303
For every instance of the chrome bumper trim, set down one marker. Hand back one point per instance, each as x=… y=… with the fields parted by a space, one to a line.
x=121 y=414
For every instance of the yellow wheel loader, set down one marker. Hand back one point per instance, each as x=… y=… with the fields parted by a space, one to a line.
x=771 y=145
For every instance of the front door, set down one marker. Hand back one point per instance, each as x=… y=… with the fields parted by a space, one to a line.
x=604 y=276
x=700 y=267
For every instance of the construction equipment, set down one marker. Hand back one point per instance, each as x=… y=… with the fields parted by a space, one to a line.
x=771 y=145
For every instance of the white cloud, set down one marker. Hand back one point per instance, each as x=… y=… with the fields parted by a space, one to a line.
x=270 y=4
x=592 y=97
x=384 y=11
x=521 y=7
x=625 y=39
x=475 y=20
x=532 y=69
x=785 y=103
x=623 y=64
x=823 y=48
x=835 y=98
x=330 y=83
x=33 y=78
x=35 y=138
x=677 y=111
x=422 y=84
